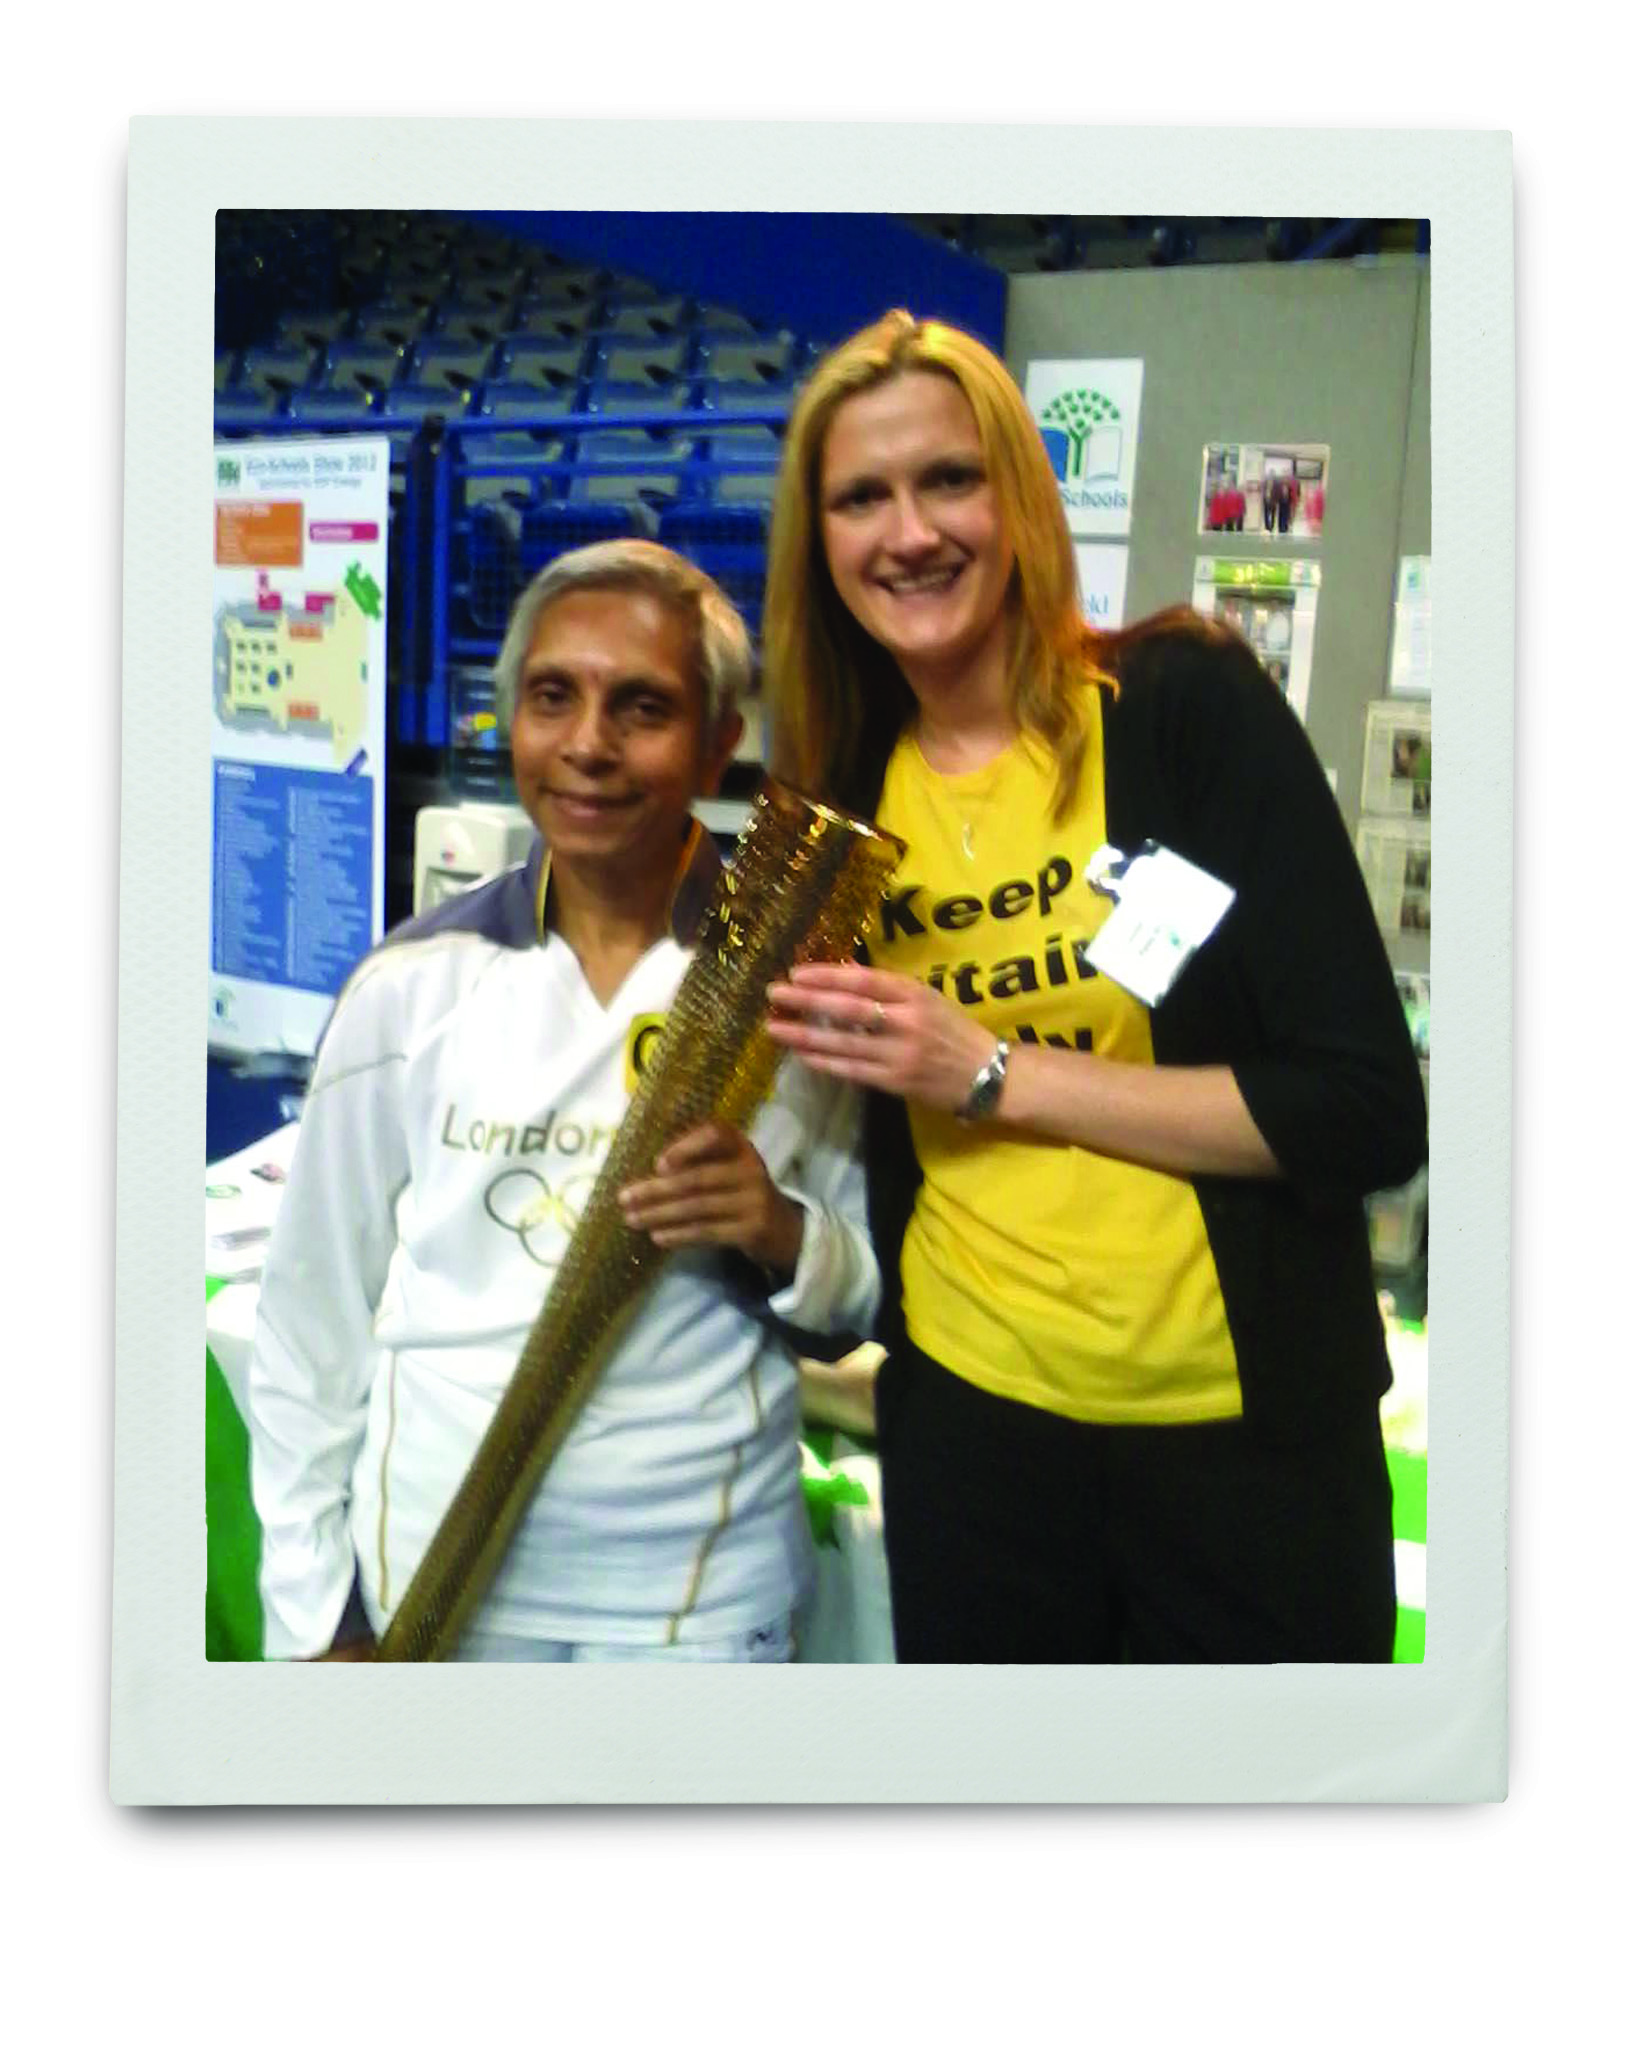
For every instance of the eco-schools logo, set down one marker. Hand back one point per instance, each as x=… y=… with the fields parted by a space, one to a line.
x=228 y=473
x=1084 y=435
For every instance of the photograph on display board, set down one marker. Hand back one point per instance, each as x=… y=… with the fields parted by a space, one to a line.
x=1397 y=862
x=1398 y=779
x=1266 y=623
x=1273 y=604
x=1275 y=490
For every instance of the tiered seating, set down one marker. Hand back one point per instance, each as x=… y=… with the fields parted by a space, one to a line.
x=506 y=345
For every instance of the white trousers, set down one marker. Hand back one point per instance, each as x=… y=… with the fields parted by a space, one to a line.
x=774 y=1643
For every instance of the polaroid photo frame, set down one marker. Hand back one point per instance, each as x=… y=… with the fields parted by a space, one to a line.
x=188 y=1731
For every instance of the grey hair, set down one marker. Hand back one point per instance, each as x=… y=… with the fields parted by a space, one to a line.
x=722 y=652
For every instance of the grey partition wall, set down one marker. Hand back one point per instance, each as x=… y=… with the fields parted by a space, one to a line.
x=1333 y=354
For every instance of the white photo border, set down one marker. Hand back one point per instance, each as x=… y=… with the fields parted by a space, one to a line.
x=187 y=1731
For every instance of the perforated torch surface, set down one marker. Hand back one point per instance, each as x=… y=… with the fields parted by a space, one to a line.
x=801 y=886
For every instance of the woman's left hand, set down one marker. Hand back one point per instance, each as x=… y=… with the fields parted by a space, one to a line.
x=887 y=1032
x=711 y=1189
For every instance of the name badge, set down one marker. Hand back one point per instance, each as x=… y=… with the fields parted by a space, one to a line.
x=1164 y=907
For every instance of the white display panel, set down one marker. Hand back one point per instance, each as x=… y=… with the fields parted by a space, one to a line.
x=298 y=702
x=1090 y=414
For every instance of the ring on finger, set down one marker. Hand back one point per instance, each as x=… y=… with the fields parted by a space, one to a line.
x=877 y=1023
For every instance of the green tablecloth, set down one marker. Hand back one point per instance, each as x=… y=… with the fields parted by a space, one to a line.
x=234 y=1614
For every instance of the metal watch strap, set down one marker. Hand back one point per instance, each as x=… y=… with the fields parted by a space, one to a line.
x=986 y=1085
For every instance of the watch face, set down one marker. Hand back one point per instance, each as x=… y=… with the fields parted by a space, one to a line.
x=986 y=1089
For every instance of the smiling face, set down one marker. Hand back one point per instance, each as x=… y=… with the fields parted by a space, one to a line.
x=610 y=735
x=912 y=530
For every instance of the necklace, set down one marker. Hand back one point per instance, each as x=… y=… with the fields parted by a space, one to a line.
x=967 y=791
x=968 y=804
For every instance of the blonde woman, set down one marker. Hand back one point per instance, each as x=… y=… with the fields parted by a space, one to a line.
x=1129 y=1409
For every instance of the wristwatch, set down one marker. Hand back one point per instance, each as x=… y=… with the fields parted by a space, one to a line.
x=986 y=1085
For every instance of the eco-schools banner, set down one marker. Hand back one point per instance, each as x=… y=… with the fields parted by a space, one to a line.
x=1090 y=412
x=298 y=701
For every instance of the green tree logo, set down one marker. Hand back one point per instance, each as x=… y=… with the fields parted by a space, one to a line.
x=1079 y=411
x=228 y=473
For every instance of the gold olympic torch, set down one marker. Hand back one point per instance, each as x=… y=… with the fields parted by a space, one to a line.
x=802 y=885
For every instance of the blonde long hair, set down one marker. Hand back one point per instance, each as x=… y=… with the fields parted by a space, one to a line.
x=837 y=697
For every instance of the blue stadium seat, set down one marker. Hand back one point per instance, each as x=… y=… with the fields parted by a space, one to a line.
x=487 y=568
x=276 y=369
x=540 y=459
x=650 y=316
x=741 y=465
x=352 y=363
x=412 y=400
x=443 y=360
x=752 y=359
x=645 y=466
x=729 y=543
x=617 y=358
x=472 y=306
x=551 y=286
x=732 y=397
x=335 y=409
x=638 y=398
x=243 y=408
x=500 y=264
x=556 y=322
x=628 y=290
x=550 y=528
x=397 y=323
x=312 y=329
x=713 y=321
x=501 y=400
x=534 y=358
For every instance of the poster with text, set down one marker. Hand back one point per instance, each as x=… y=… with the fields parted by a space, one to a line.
x=298 y=702
x=1089 y=412
x=1102 y=571
x=1277 y=490
x=1273 y=604
x=1411 y=662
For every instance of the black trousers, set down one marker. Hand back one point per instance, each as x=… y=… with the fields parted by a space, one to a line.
x=1017 y=1536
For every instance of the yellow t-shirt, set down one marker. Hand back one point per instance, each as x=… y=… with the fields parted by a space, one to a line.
x=1041 y=1272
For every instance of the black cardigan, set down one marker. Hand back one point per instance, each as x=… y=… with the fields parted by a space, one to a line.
x=1293 y=991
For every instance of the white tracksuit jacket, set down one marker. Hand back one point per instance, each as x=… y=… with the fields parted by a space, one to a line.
x=462 y=1101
